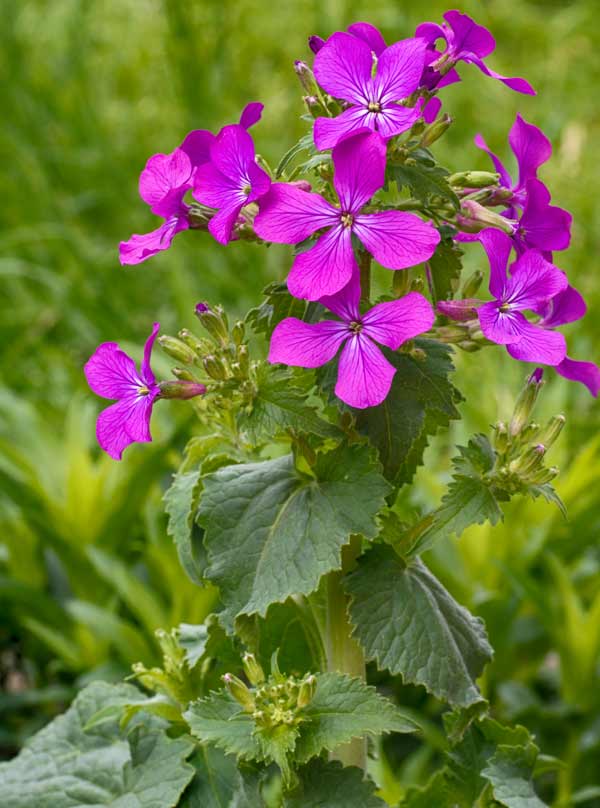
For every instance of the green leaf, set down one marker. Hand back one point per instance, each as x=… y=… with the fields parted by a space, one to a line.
x=549 y=493
x=272 y=532
x=470 y=498
x=408 y=623
x=290 y=629
x=344 y=708
x=278 y=305
x=280 y=405
x=306 y=143
x=218 y=719
x=421 y=401
x=510 y=773
x=193 y=641
x=181 y=501
x=445 y=266
x=63 y=766
x=330 y=785
x=425 y=181
x=214 y=781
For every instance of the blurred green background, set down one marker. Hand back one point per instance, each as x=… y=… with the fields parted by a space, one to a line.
x=92 y=89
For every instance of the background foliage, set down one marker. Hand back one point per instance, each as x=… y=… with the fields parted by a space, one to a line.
x=87 y=571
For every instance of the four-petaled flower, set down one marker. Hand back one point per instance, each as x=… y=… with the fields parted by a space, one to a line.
x=395 y=239
x=465 y=42
x=344 y=66
x=230 y=180
x=364 y=374
x=530 y=285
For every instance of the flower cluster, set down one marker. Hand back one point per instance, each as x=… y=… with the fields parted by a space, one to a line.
x=371 y=102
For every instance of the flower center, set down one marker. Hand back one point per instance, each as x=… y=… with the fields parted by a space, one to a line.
x=355 y=327
x=374 y=106
x=246 y=189
x=504 y=308
x=347 y=219
x=143 y=391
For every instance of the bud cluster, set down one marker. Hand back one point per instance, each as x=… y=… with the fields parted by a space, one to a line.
x=273 y=702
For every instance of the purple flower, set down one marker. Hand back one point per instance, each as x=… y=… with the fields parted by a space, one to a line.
x=364 y=374
x=231 y=180
x=288 y=216
x=112 y=374
x=163 y=184
x=344 y=66
x=465 y=42
x=531 y=284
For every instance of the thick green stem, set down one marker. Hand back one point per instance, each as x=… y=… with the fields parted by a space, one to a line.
x=344 y=654
x=364 y=260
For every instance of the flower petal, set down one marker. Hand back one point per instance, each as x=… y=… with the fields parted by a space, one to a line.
x=343 y=67
x=251 y=114
x=328 y=132
x=222 y=223
x=163 y=175
x=232 y=151
x=519 y=85
x=146 y=370
x=532 y=281
x=497 y=246
x=530 y=146
x=399 y=69
x=197 y=146
x=325 y=268
x=393 y=119
x=543 y=225
x=141 y=247
x=306 y=345
x=213 y=188
x=288 y=215
x=396 y=239
x=467 y=36
x=364 y=374
x=585 y=372
x=123 y=423
x=431 y=110
x=538 y=345
x=110 y=373
x=369 y=34
x=260 y=182
x=345 y=303
x=500 y=327
x=359 y=163
x=460 y=310
x=431 y=32
x=395 y=322
x=505 y=178
x=565 y=307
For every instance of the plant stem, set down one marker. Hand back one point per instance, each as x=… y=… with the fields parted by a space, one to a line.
x=364 y=260
x=344 y=654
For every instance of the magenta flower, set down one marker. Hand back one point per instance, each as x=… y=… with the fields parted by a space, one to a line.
x=288 y=216
x=231 y=180
x=163 y=184
x=344 y=66
x=531 y=284
x=364 y=374
x=112 y=374
x=465 y=42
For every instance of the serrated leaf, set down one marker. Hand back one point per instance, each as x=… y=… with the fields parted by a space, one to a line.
x=445 y=266
x=215 y=780
x=272 y=532
x=278 y=305
x=193 y=640
x=280 y=405
x=344 y=708
x=549 y=493
x=420 y=401
x=181 y=500
x=330 y=785
x=290 y=629
x=63 y=766
x=510 y=773
x=408 y=623
x=219 y=720
x=424 y=182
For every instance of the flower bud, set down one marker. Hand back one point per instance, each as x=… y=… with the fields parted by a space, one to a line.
x=213 y=320
x=474 y=217
x=199 y=216
x=525 y=404
x=315 y=43
x=460 y=310
x=473 y=179
x=543 y=476
x=215 y=368
x=181 y=389
x=243 y=360
x=199 y=346
x=253 y=669
x=307 y=692
x=469 y=346
x=306 y=77
x=501 y=438
x=472 y=284
x=313 y=106
x=400 y=282
x=240 y=692
x=552 y=430
x=529 y=461
x=418 y=354
x=435 y=131
x=184 y=374
x=417 y=284
x=177 y=349
x=451 y=333
x=238 y=331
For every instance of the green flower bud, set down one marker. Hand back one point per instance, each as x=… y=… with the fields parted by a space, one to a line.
x=552 y=430
x=240 y=692
x=436 y=130
x=473 y=217
x=314 y=106
x=199 y=346
x=238 y=331
x=253 y=670
x=417 y=284
x=472 y=284
x=184 y=374
x=306 y=77
x=501 y=439
x=473 y=179
x=400 y=282
x=307 y=692
x=215 y=368
x=529 y=461
x=543 y=476
x=243 y=359
x=451 y=333
x=181 y=389
x=525 y=403
x=177 y=349
x=214 y=321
